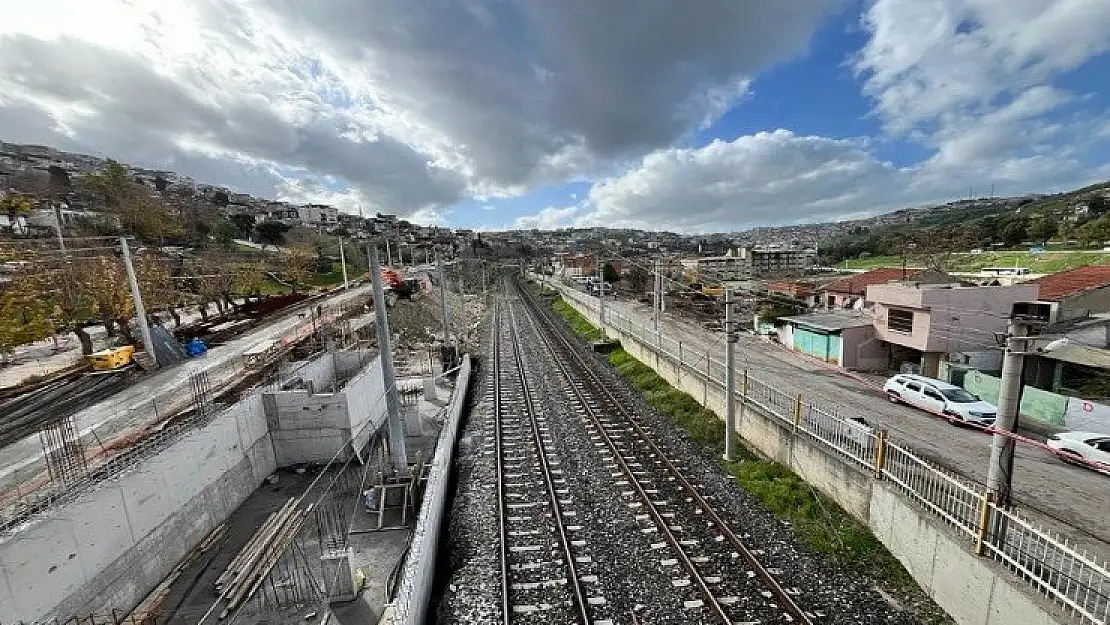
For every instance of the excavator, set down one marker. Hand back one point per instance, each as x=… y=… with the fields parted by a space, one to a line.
x=394 y=281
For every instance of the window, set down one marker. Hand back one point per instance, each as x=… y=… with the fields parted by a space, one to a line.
x=931 y=394
x=914 y=386
x=959 y=395
x=900 y=320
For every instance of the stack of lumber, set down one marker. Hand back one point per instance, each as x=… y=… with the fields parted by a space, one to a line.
x=253 y=563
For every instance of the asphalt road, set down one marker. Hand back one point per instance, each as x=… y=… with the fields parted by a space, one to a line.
x=1064 y=498
x=152 y=396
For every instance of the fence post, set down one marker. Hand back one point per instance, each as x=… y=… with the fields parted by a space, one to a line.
x=797 y=412
x=984 y=521
x=880 y=453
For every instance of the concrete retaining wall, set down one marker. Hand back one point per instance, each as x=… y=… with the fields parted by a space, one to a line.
x=972 y=589
x=109 y=547
x=313 y=428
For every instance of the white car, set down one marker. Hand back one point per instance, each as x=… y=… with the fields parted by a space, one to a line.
x=1087 y=446
x=939 y=397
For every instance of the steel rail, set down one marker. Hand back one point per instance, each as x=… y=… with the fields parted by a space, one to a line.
x=584 y=366
x=573 y=585
x=503 y=541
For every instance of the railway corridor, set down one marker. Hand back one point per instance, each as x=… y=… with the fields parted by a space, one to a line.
x=604 y=517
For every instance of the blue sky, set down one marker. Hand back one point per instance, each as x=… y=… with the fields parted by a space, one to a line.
x=719 y=115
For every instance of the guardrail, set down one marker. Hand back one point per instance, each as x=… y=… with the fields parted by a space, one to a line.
x=1076 y=582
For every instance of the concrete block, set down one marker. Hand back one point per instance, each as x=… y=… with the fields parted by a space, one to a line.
x=41 y=564
x=913 y=540
x=1010 y=605
x=961 y=582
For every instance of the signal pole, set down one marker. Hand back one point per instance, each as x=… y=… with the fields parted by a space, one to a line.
x=730 y=376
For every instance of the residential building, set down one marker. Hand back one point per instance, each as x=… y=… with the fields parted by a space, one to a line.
x=318 y=215
x=922 y=322
x=843 y=338
x=1076 y=292
x=747 y=263
x=848 y=292
x=798 y=289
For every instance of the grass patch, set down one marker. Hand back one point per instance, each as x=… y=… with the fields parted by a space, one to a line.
x=1046 y=262
x=817 y=521
x=333 y=277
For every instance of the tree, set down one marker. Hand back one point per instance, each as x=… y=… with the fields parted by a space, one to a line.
x=104 y=282
x=244 y=224
x=1095 y=231
x=637 y=279
x=271 y=232
x=609 y=273
x=1043 y=229
x=1013 y=231
x=138 y=211
x=224 y=231
x=296 y=265
x=15 y=206
x=1097 y=204
x=26 y=314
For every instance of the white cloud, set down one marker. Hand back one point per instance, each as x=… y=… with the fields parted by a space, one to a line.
x=549 y=218
x=780 y=178
x=413 y=105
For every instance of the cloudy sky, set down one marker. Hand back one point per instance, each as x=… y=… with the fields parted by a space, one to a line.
x=691 y=116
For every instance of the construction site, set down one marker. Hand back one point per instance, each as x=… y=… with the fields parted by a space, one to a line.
x=280 y=469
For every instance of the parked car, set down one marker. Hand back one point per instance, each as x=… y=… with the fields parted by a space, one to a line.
x=1087 y=446
x=941 y=398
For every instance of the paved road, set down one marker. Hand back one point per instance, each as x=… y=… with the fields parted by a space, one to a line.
x=142 y=402
x=1065 y=498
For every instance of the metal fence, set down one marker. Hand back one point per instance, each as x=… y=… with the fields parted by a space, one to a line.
x=1070 y=578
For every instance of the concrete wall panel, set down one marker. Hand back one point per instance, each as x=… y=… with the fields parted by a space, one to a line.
x=110 y=546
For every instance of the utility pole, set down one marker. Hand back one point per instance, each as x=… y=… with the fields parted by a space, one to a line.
x=343 y=263
x=1000 y=471
x=140 y=310
x=388 y=254
x=400 y=253
x=655 y=299
x=397 y=451
x=443 y=302
x=58 y=229
x=601 y=294
x=730 y=376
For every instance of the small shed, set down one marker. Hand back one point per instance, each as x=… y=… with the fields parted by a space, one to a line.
x=838 y=338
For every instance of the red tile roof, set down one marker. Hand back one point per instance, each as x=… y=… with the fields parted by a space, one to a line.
x=857 y=284
x=1057 y=286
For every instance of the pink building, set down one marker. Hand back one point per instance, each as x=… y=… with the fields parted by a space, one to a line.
x=922 y=322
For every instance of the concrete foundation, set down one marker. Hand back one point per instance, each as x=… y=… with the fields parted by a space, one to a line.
x=109 y=547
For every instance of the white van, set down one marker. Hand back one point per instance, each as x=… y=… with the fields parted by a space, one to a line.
x=941 y=398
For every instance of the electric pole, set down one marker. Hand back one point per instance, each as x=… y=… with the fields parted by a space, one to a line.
x=388 y=254
x=601 y=294
x=140 y=310
x=443 y=303
x=398 y=453
x=730 y=376
x=655 y=299
x=1000 y=471
x=343 y=263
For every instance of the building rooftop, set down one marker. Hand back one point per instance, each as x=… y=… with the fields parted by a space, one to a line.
x=1057 y=286
x=857 y=284
x=831 y=321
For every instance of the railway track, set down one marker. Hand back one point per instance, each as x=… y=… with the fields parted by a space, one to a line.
x=719 y=578
x=540 y=574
